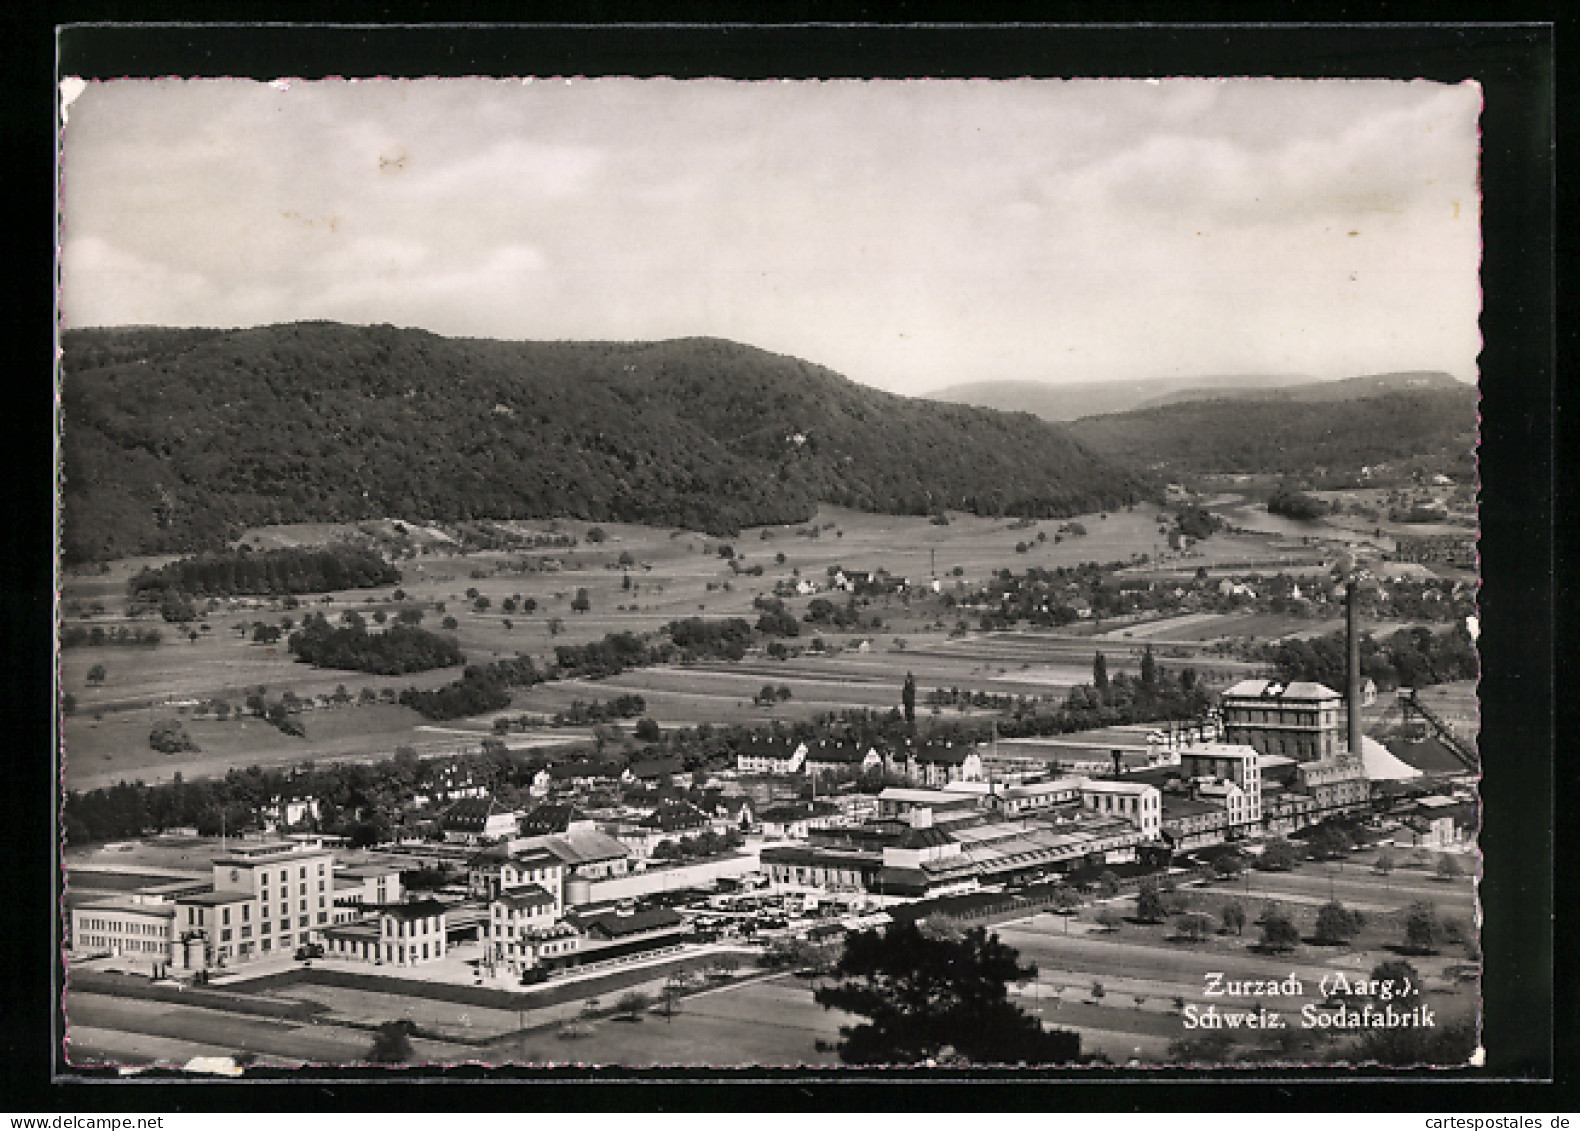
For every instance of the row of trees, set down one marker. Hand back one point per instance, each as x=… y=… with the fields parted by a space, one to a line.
x=584 y=713
x=266 y=573
x=82 y=636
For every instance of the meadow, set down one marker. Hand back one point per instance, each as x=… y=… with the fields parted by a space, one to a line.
x=636 y=579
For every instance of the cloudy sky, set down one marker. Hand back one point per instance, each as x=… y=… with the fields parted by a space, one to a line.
x=908 y=234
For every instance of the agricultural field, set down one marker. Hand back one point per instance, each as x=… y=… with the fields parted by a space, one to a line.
x=636 y=579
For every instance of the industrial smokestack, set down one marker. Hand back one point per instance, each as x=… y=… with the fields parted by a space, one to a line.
x=1352 y=687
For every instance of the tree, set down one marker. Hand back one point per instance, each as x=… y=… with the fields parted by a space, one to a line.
x=1194 y=925
x=1336 y=923
x=450 y=624
x=582 y=602
x=391 y=1043
x=1149 y=903
x=1278 y=856
x=1100 y=672
x=1108 y=919
x=631 y=1005
x=97 y=674
x=1448 y=868
x=1065 y=900
x=1422 y=929
x=1149 y=668
x=169 y=737
x=908 y=698
x=68 y=703
x=1406 y=981
x=1385 y=863
x=919 y=995
x=1108 y=884
x=1228 y=864
x=649 y=731
x=1330 y=842
x=1279 y=932
x=1233 y=915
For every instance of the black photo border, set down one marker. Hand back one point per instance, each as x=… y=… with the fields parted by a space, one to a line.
x=1514 y=61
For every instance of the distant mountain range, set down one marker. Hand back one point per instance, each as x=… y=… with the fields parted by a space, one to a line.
x=1067 y=402
x=1317 y=392
x=1292 y=435
x=176 y=440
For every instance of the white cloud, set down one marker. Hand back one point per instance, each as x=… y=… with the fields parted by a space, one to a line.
x=909 y=234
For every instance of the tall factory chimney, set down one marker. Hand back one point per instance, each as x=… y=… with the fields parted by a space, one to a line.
x=1352 y=683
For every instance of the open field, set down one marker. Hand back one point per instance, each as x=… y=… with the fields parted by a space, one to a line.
x=219 y=1033
x=770 y=1022
x=672 y=574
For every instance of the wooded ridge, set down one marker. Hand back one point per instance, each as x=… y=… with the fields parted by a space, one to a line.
x=176 y=440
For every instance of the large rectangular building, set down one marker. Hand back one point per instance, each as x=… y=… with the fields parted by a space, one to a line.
x=268 y=898
x=1297 y=720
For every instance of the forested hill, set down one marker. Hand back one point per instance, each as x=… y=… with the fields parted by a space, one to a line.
x=175 y=440
x=1290 y=437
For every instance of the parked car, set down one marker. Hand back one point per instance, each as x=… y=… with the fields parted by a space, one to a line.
x=309 y=950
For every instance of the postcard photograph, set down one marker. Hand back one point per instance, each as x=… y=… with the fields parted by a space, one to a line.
x=703 y=574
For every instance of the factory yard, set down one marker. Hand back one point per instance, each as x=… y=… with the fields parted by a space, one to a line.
x=1125 y=990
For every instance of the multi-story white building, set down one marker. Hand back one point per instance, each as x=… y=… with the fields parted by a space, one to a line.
x=524 y=928
x=1338 y=784
x=267 y=898
x=412 y=932
x=136 y=932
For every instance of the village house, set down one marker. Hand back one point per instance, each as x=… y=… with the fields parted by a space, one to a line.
x=770 y=756
x=933 y=765
x=478 y=820
x=288 y=812
x=672 y=820
x=653 y=772
x=847 y=758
